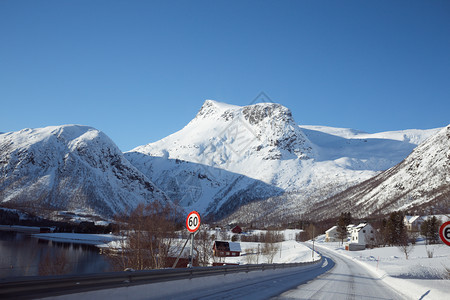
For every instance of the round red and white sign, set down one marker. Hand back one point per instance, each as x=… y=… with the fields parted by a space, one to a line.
x=193 y=221
x=444 y=233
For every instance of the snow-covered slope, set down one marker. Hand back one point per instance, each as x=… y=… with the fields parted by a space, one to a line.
x=252 y=161
x=232 y=148
x=226 y=156
x=69 y=167
x=421 y=180
x=366 y=151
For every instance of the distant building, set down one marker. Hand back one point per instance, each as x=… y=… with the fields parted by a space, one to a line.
x=226 y=249
x=413 y=223
x=237 y=230
x=363 y=234
x=350 y=228
x=331 y=235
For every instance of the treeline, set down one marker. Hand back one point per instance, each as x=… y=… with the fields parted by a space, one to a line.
x=392 y=231
x=8 y=217
x=264 y=237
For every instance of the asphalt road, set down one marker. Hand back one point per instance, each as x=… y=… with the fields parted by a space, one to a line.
x=265 y=288
x=346 y=280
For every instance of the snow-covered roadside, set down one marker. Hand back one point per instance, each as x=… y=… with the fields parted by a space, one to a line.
x=419 y=275
x=99 y=240
x=288 y=252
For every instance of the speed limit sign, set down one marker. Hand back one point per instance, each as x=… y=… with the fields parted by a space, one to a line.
x=444 y=233
x=193 y=221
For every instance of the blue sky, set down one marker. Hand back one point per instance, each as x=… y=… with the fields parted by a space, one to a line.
x=140 y=70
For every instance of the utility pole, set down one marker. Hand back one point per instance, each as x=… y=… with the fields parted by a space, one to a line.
x=257 y=256
x=191 y=251
x=313 y=244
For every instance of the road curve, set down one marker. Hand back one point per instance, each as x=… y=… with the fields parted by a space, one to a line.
x=347 y=280
x=263 y=288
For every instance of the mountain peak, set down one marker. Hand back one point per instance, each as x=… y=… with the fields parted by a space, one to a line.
x=253 y=114
x=215 y=108
x=265 y=130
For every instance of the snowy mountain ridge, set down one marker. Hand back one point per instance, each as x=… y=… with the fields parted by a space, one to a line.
x=419 y=181
x=67 y=168
x=227 y=159
x=262 y=142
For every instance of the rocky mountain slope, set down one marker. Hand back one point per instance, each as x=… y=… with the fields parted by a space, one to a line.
x=69 y=167
x=420 y=181
x=214 y=162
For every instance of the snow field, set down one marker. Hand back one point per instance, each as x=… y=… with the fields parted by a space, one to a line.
x=288 y=252
x=418 y=276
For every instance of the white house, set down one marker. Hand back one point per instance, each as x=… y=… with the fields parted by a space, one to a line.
x=363 y=234
x=413 y=223
x=331 y=235
x=350 y=228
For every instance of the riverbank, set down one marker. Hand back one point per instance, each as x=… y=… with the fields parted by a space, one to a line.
x=21 y=229
x=99 y=240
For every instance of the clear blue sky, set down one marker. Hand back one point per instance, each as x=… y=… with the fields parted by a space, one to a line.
x=140 y=70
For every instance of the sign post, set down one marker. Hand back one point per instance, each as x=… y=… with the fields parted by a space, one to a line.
x=192 y=225
x=444 y=233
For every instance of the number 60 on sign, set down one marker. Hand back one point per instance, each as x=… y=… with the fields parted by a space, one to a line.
x=444 y=233
x=193 y=221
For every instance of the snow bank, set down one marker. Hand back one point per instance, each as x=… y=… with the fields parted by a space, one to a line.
x=418 y=276
x=78 y=238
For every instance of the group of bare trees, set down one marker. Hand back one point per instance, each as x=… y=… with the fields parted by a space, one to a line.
x=268 y=248
x=203 y=247
x=147 y=236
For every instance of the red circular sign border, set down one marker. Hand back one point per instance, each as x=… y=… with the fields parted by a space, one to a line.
x=187 y=220
x=441 y=233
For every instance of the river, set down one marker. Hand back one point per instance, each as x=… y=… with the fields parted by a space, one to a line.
x=24 y=255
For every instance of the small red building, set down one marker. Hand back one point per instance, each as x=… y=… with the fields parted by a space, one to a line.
x=226 y=249
x=237 y=230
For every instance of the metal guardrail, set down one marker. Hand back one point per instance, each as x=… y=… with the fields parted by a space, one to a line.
x=35 y=287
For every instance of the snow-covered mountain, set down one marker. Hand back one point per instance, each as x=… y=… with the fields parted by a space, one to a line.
x=69 y=167
x=225 y=157
x=242 y=162
x=421 y=180
x=214 y=162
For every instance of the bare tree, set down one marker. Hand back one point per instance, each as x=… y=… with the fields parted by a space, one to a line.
x=406 y=249
x=251 y=256
x=203 y=247
x=404 y=245
x=147 y=234
x=311 y=231
x=270 y=246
